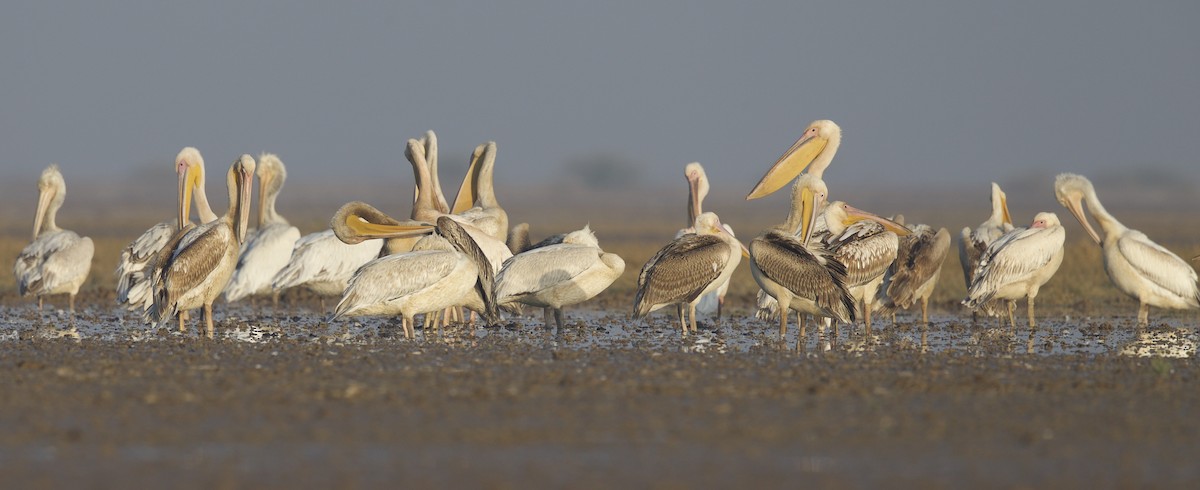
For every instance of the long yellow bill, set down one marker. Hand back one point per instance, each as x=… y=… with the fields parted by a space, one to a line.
x=368 y=229
x=793 y=161
x=854 y=215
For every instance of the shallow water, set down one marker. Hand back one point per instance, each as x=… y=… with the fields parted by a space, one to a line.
x=598 y=329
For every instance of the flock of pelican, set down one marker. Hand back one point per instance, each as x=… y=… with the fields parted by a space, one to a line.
x=827 y=260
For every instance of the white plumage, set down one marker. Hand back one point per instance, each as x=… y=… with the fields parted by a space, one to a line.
x=1017 y=264
x=57 y=261
x=324 y=264
x=1136 y=265
x=973 y=243
x=557 y=276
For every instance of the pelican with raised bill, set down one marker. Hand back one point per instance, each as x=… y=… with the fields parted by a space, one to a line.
x=197 y=270
x=1018 y=264
x=423 y=281
x=133 y=274
x=1137 y=266
x=814 y=150
x=697 y=180
x=798 y=276
x=688 y=268
x=556 y=276
x=268 y=249
x=974 y=242
x=57 y=261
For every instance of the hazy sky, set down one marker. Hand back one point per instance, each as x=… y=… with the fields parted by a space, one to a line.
x=947 y=91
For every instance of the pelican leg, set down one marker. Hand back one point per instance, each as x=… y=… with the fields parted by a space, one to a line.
x=208 y=323
x=71 y=302
x=866 y=318
x=1032 y=319
x=1012 y=322
x=692 y=316
x=803 y=319
x=428 y=322
x=322 y=300
x=925 y=311
x=558 y=318
x=1143 y=315
x=182 y=318
x=39 y=306
x=546 y=317
x=783 y=311
x=682 y=320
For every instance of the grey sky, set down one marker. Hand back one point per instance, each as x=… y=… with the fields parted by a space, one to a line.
x=947 y=91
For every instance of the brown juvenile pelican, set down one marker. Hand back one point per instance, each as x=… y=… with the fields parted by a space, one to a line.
x=1018 y=263
x=133 y=274
x=267 y=249
x=557 y=276
x=697 y=190
x=914 y=273
x=688 y=268
x=801 y=277
x=423 y=281
x=974 y=242
x=815 y=150
x=867 y=249
x=197 y=270
x=1136 y=265
x=57 y=261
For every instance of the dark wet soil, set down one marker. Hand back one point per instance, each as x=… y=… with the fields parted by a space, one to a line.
x=306 y=405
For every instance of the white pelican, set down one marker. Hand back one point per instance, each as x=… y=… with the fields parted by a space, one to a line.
x=324 y=264
x=57 y=261
x=133 y=278
x=814 y=150
x=1018 y=263
x=799 y=277
x=1136 y=265
x=974 y=242
x=423 y=281
x=697 y=190
x=197 y=270
x=266 y=250
x=688 y=268
x=915 y=271
x=476 y=202
x=867 y=249
x=557 y=276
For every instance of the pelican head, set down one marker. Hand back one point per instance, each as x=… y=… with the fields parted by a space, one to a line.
x=1000 y=205
x=1071 y=190
x=1045 y=220
x=582 y=237
x=52 y=190
x=839 y=215
x=189 y=165
x=816 y=147
x=808 y=197
x=710 y=224
x=271 y=176
x=358 y=221
x=242 y=176
x=698 y=188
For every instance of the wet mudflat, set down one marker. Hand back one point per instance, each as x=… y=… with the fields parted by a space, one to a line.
x=286 y=399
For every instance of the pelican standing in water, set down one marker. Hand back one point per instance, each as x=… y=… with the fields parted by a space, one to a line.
x=687 y=268
x=268 y=249
x=197 y=270
x=697 y=190
x=556 y=276
x=799 y=277
x=1017 y=264
x=1136 y=265
x=867 y=249
x=974 y=242
x=57 y=261
x=133 y=278
x=423 y=281
x=915 y=271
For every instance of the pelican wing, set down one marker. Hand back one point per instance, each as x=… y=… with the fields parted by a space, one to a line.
x=135 y=257
x=395 y=276
x=918 y=259
x=51 y=260
x=1013 y=258
x=821 y=278
x=542 y=268
x=680 y=271
x=321 y=257
x=865 y=255
x=969 y=251
x=195 y=259
x=1159 y=265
